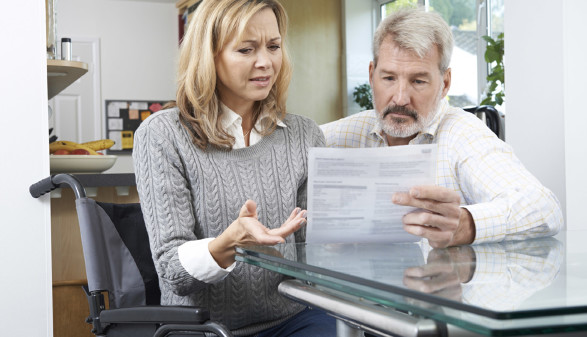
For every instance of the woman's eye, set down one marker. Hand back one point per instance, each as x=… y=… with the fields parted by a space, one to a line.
x=245 y=50
x=274 y=47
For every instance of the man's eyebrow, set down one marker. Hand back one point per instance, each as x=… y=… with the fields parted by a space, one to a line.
x=388 y=72
x=421 y=74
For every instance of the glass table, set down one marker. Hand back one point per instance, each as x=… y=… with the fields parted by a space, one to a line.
x=516 y=288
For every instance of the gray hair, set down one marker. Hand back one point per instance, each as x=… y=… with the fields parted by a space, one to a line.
x=418 y=31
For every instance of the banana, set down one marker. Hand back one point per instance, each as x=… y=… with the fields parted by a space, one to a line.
x=98 y=145
x=69 y=146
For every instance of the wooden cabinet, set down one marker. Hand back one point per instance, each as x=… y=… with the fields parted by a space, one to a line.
x=70 y=309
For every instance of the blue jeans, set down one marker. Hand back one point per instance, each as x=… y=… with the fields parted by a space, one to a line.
x=308 y=323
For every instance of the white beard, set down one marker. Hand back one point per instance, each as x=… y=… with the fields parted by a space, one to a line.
x=404 y=127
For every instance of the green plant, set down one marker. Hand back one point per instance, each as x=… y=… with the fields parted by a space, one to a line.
x=363 y=96
x=495 y=92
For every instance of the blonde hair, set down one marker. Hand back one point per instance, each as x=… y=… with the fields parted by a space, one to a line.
x=418 y=31
x=213 y=25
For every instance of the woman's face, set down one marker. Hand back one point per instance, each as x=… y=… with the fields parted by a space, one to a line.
x=247 y=70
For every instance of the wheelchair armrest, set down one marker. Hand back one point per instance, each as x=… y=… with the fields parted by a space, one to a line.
x=156 y=314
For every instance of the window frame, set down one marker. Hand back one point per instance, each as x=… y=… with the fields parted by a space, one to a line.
x=483 y=24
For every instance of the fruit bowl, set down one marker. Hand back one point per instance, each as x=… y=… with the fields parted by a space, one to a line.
x=81 y=163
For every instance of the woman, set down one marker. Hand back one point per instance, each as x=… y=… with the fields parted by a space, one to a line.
x=227 y=167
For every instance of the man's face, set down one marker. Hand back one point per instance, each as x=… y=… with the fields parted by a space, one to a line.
x=407 y=89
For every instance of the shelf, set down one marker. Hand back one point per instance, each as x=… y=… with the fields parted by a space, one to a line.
x=61 y=74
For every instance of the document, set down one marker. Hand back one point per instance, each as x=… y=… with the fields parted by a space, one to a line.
x=350 y=190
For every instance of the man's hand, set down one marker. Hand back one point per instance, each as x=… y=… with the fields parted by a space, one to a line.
x=440 y=219
x=443 y=273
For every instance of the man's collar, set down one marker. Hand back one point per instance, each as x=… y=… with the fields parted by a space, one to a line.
x=438 y=117
x=377 y=131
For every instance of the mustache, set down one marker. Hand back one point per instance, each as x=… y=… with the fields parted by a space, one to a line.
x=400 y=110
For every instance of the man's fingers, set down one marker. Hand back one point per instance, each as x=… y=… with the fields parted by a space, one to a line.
x=428 y=270
x=425 y=218
x=449 y=209
x=438 y=193
x=432 y=285
x=436 y=238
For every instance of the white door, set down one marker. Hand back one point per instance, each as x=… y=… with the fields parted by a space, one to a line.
x=77 y=109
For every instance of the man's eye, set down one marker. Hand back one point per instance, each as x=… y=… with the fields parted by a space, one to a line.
x=419 y=81
x=389 y=78
x=245 y=50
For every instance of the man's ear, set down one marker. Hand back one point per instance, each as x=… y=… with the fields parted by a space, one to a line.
x=446 y=80
x=371 y=71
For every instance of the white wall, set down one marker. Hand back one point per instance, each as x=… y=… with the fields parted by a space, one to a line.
x=535 y=89
x=575 y=118
x=545 y=72
x=25 y=240
x=139 y=48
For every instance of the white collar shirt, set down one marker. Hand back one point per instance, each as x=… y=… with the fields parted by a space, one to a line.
x=232 y=123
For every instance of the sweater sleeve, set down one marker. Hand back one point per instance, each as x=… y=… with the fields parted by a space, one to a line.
x=166 y=202
x=315 y=139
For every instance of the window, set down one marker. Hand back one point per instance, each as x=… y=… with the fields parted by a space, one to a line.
x=469 y=19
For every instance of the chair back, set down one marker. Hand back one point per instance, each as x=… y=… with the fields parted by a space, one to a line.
x=491 y=117
x=117 y=253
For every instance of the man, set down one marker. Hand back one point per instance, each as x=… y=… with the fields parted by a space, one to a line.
x=410 y=76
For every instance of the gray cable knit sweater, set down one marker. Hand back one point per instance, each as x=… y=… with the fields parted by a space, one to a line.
x=189 y=194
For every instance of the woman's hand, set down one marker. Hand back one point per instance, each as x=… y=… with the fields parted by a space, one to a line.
x=247 y=230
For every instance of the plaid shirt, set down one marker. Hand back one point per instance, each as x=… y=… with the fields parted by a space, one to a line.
x=505 y=200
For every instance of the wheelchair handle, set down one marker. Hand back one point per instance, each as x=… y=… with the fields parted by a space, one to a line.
x=50 y=183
